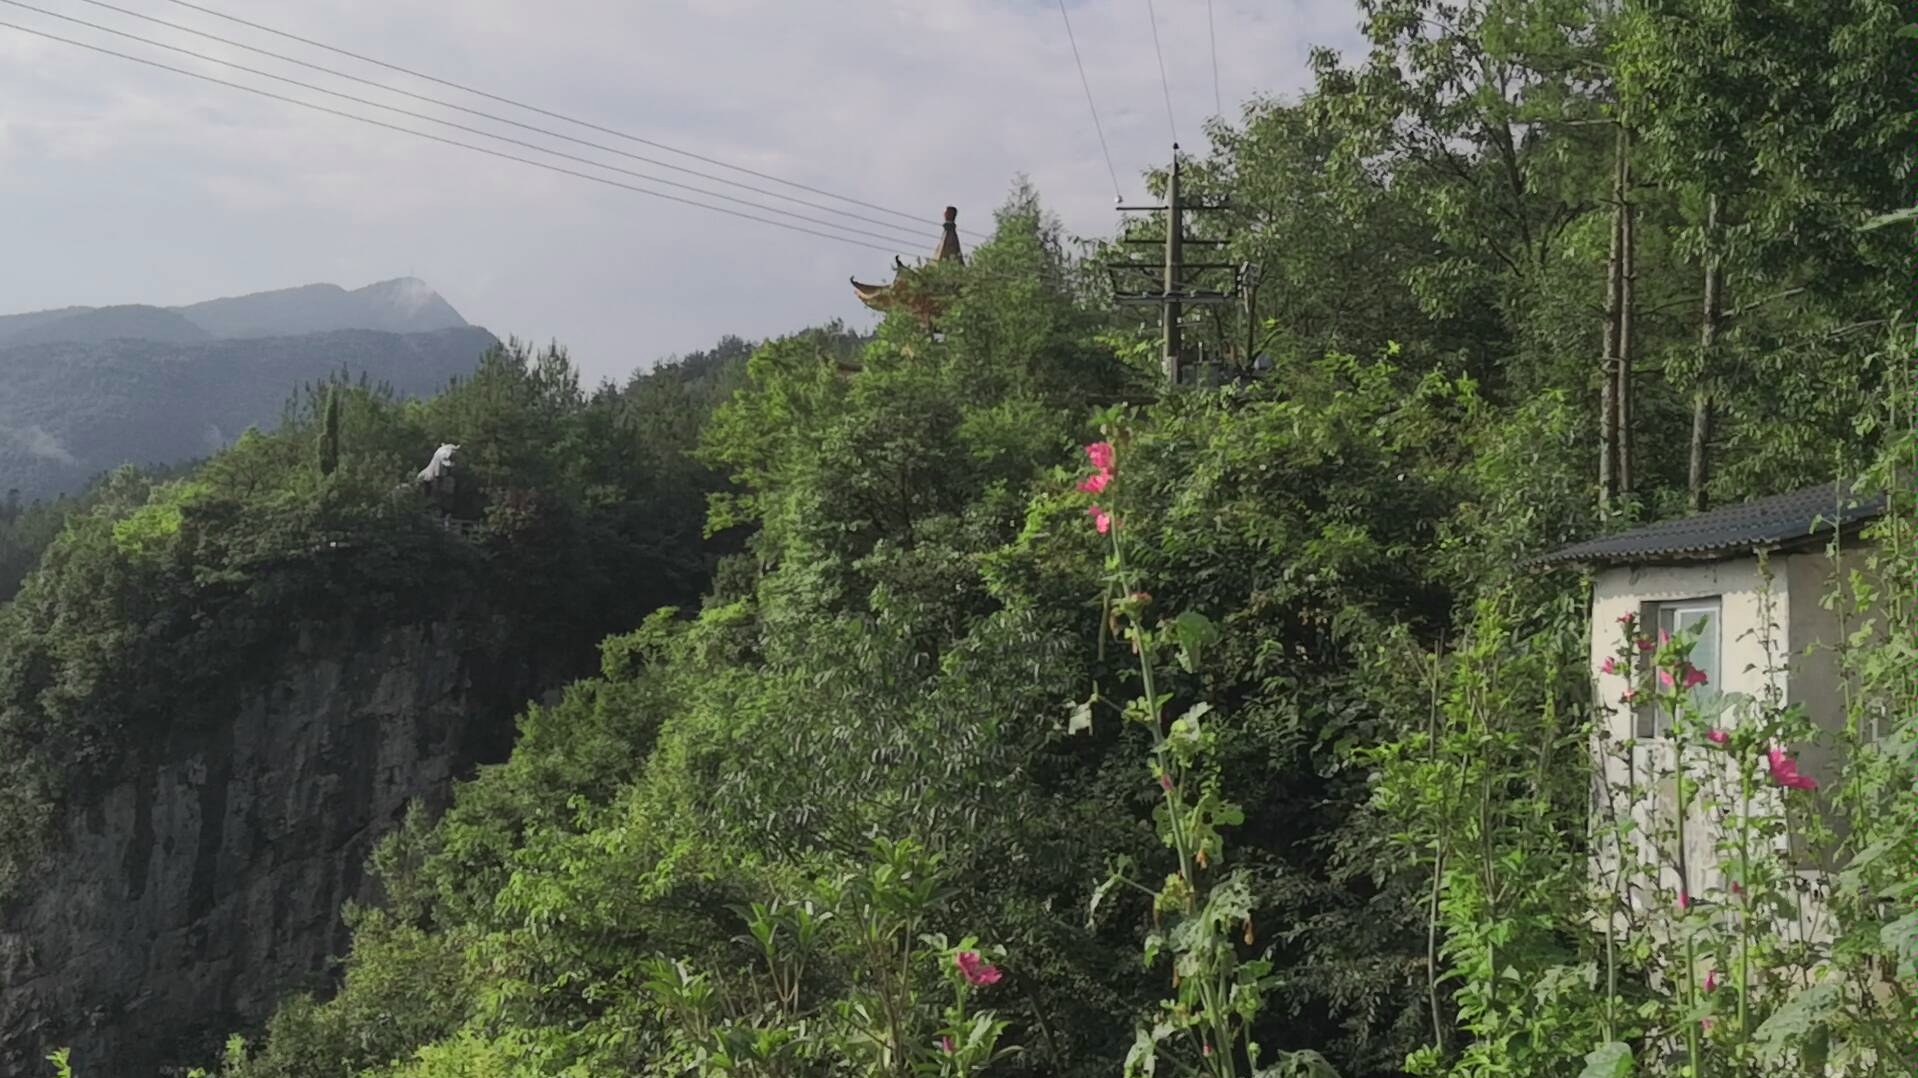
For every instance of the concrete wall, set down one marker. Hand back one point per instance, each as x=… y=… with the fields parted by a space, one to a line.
x=1817 y=678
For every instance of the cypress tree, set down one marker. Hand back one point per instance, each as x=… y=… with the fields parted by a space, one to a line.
x=330 y=433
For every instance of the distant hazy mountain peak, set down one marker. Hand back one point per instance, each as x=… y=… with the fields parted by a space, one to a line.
x=413 y=296
x=401 y=305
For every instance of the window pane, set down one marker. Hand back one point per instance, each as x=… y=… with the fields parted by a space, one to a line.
x=1703 y=621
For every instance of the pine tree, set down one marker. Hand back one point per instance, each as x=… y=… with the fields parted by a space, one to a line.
x=330 y=433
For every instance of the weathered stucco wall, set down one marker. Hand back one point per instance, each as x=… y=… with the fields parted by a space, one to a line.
x=1777 y=635
x=1748 y=611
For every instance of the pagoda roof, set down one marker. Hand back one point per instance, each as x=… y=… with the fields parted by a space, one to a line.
x=885 y=297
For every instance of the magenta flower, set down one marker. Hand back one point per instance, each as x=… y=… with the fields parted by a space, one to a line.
x=1718 y=737
x=945 y=1044
x=1100 y=453
x=1664 y=637
x=975 y=968
x=1095 y=482
x=1628 y=696
x=1689 y=677
x=1627 y=619
x=1645 y=644
x=1711 y=980
x=1684 y=899
x=1610 y=667
x=1784 y=771
x=1101 y=519
x=1165 y=783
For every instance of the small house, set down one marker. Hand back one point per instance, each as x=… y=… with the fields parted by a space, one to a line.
x=1750 y=581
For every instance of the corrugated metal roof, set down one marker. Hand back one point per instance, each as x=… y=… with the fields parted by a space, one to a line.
x=1797 y=517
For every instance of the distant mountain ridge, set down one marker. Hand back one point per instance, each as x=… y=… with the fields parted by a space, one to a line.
x=87 y=389
x=401 y=305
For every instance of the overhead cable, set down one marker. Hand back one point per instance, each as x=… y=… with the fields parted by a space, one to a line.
x=836 y=237
x=1097 y=127
x=550 y=114
x=461 y=127
x=428 y=99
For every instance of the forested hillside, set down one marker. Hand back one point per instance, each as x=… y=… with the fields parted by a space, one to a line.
x=1038 y=719
x=75 y=409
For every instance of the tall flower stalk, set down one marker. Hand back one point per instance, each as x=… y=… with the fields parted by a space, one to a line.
x=1200 y=916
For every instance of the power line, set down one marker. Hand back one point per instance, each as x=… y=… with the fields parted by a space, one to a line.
x=463 y=127
x=541 y=111
x=1090 y=104
x=444 y=141
x=336 y=73
x=1165 y=86
x=1212 y=31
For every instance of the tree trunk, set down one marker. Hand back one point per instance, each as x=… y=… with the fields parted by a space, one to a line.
x=1614 y=293
x=1713 y=314
x=1627 y=291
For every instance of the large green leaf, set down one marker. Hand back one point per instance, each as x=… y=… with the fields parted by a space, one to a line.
x=1799 y=1022
x=1613 y=1059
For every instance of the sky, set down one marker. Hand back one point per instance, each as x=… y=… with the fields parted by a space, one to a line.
x=120 y=183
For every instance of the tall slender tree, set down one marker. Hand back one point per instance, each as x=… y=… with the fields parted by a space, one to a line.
x=330 y=433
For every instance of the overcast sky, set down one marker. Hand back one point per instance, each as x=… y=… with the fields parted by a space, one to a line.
x=124 y=184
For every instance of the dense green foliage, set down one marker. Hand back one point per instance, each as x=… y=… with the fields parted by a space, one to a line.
x=1351 y=809
x=158 y=599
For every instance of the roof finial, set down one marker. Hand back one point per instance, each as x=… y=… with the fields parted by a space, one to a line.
x=952 y=214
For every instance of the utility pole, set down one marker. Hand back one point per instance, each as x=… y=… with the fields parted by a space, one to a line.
x=1175 y=292
x=1171 y=310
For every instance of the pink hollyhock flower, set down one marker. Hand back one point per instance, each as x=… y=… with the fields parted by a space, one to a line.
x=1165 y=783
x=945 y=1043
x=1627 y=619
x=1665 y=679
x=1718 y=737
x=1736 y=889
x=1095 y=482
x=1684 y=899
x=1101 y=519
x=1664 y=637
x=1694 y=677
x=1206 y=1051
x=1705 y=1024
x=1628 y=696
x=1645 y=644
x=1610 y=667
x=1100 y=453
x=1711 y=980
x=975 y=968
x=1784 y=771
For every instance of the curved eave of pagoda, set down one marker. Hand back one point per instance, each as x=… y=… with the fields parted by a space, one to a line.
x=873 y=295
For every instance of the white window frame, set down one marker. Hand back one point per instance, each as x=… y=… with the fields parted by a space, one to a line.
x=1650 y=722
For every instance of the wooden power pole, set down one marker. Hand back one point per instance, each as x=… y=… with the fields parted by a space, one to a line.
x=1175 y=292
x=1172 y=310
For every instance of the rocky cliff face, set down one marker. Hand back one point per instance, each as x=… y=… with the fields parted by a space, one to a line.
x=205 y=882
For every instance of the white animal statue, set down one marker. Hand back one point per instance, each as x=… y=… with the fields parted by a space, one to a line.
x=441 y=466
